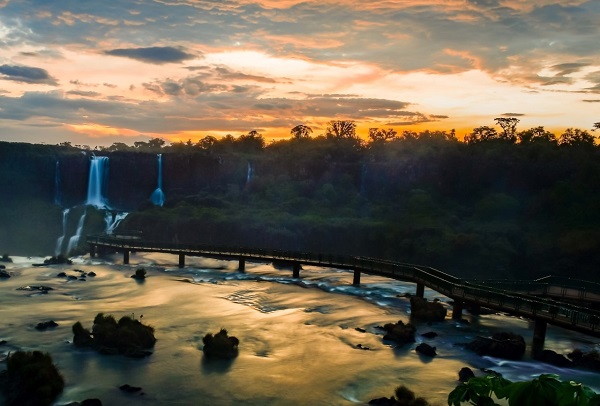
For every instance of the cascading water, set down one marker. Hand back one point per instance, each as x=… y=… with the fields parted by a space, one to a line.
x=113 y=220
x=74 y=240
x=57 y=199
x=96 y=182
x=59 y=240
x=249 y=173
x=158 y=197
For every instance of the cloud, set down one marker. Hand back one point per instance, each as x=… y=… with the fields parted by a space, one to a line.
x=592 y=101
x=83 y=93
x=512 y=114
x=156 y=55
x=26 y=74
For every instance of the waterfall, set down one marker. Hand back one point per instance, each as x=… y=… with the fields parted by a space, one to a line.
x=74 y=240
x=59 y=240
x=158 y=197
x=96 y=182
x=57 y=198
x=249 y=173
x=113 y=220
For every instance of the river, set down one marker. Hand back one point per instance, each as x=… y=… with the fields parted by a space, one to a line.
x=298 y=337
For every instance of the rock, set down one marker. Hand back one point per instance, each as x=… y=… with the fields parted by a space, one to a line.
x=2 y=266
x=43 y=289
x=553 y=358
x=61 y=275
x=426 y=349
x=430 y=334
x=383 y=402
x=46 y=325
x=465 y=374
x=588 y=360
x=423 y=310
x=130 y=389
x=91 y=402
x=220 y=345
x=72 y=277
x=501 y=345
x=140 y=274
x=362 y=347
x=4 y=274
x=82 y=279
x=91 y=274
x=2 y=342
x=61 y=259
x=360 y=330
x=400 y=332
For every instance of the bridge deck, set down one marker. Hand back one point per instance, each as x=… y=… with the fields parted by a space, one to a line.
x=492 y=295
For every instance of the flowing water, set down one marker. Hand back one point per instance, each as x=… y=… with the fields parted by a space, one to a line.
x=158 y=197
x=297 y=336
x=97 y=182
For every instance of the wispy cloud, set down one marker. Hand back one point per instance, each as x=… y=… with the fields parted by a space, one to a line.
x=26 y=74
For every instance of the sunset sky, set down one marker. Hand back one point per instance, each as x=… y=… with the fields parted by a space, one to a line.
x=98 y=72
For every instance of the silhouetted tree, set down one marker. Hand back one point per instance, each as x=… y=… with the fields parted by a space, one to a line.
x=378 y=134
x=483 y=133
x=253 y=141
x=596 y=126
x=509 y=127
x=340 y=129
x=207 y=142
x=536 y=134
x=575 y=136
x=301 y=131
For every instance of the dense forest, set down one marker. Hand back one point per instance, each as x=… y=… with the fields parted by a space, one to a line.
x=499 y=203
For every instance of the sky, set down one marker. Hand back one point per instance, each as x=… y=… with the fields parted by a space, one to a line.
x=98 y=72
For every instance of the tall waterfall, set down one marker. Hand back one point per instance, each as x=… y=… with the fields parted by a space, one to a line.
x=112 y=220
x=158 y=197
x=57 y=199
x=59 y=240
x=74 y=240
x=97 y=181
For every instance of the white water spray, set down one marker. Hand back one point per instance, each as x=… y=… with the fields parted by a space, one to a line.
x=74 y=240
x=112 y=220
x=59 y=240
x=158 y=197
x=96 y=182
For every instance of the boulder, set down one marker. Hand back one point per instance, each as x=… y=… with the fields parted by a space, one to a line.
x=46 y=325
x=400 y=332
x=423 y=310
x=130 y=389
x=588 y=360
x=61 y=275
x=426 y=350
x=91 y=274
x=220 y=345
x=383 y=402
x=553 y=358
x=430 y=334
x=4 y=274
x=465 y=374
x=501 y=345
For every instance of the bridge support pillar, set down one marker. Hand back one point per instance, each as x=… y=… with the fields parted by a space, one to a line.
x=182 y=260
x=356 y=279
x=420 y=290
x=457 y=309
x=296 y=270
x=126 y=257
x=92 y=251
x=242 y=265
x=539 y=336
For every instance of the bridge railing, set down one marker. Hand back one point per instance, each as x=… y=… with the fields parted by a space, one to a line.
x=494 y=295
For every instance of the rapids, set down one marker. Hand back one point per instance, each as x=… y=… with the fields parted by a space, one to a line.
x=297 y=336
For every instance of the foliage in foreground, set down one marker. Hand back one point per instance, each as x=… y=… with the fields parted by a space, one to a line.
x=546 y=390
x=30 y=379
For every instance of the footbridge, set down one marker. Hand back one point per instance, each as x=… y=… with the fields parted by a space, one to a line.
x=543 y=301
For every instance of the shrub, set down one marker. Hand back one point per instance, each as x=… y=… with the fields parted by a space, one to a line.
x=220 y=345
x=31 y=379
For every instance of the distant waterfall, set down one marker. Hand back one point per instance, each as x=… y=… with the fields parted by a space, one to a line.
x=59 y=240
x=112 y=220
x=74 y=241
x=57 y=199
x=158 y=197
x=249 y=173
x=97 y=181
